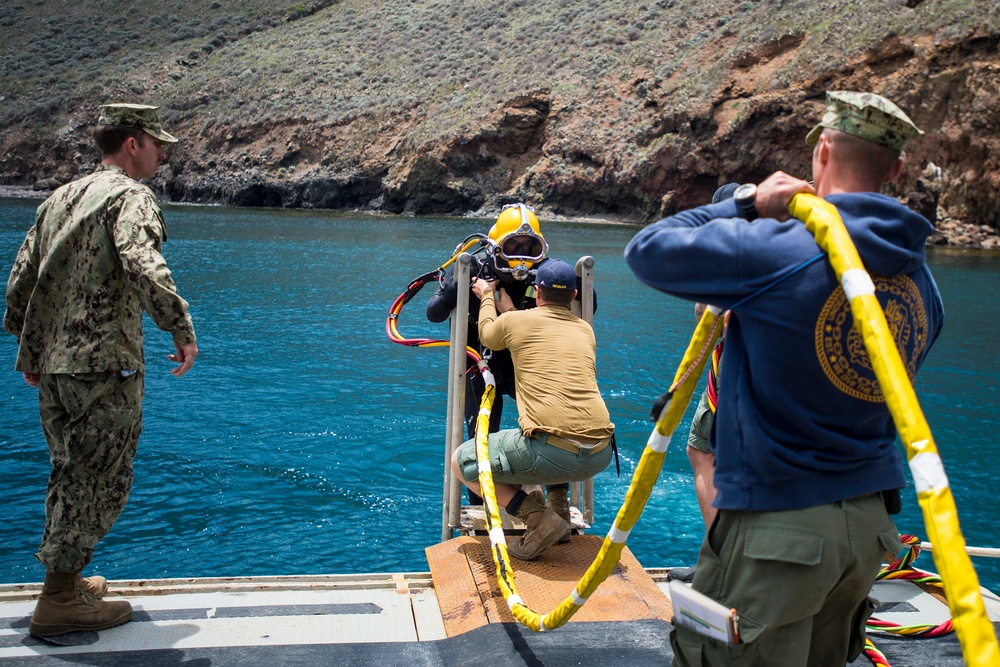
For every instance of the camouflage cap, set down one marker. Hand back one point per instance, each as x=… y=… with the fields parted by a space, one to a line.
x=868 y=116
x=140 y=116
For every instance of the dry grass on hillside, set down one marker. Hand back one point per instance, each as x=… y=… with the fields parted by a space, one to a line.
x=447 y=59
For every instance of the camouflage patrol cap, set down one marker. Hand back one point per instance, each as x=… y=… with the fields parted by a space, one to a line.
x=868 y=116
x=139 y=116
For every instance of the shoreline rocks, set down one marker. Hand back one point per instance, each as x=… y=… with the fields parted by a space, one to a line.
x=951 y=232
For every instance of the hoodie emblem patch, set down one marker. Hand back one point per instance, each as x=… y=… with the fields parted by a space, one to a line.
x=841 y=350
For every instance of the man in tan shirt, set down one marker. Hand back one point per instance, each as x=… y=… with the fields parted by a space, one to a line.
x=565 y=428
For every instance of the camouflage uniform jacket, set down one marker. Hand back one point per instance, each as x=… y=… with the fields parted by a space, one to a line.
x=84 y=274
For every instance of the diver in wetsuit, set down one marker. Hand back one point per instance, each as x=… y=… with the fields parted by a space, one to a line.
x=520 y=249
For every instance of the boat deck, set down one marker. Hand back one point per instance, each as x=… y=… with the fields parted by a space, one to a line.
x=457 y=619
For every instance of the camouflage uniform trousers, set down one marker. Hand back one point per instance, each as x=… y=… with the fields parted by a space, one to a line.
x=92 y=423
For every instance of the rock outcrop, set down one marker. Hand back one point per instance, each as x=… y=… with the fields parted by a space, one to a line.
x=639 y=150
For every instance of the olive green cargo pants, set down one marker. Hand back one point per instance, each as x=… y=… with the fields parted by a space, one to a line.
x=799 y=580
x=92 y=423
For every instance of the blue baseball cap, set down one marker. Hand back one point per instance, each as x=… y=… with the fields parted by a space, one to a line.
x=555 y=274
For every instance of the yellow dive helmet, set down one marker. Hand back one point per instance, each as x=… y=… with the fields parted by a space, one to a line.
x=518 y=240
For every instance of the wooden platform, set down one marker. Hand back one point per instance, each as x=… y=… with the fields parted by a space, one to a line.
x=465 y=581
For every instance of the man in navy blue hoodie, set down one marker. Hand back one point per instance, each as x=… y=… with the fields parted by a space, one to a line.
x=804 y=443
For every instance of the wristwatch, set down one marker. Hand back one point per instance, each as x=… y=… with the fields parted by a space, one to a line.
x=746 y=197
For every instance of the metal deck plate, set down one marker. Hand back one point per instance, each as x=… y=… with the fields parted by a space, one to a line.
x=465 y=581
x=236 y=614
x=386 y=619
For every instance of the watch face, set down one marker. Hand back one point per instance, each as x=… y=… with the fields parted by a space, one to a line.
x=745 y=191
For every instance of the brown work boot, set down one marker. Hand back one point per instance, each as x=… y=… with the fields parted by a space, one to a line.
x=543 y=528
x=63 y=606
x=95 y=585
x=559 y=503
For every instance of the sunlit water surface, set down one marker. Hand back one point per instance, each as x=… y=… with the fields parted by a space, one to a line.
x=304 y=442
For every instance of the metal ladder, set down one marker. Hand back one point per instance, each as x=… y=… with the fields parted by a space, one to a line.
x=470 y=520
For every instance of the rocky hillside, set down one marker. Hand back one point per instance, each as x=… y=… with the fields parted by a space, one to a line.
x=629 y=109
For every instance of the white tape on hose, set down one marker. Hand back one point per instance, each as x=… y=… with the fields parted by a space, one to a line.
x=618 y=536
x=657 y=442
x=928 y=472
x=856 y=282
x=497 y=536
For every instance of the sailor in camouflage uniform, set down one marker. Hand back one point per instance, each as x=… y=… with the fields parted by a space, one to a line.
x=86 y=271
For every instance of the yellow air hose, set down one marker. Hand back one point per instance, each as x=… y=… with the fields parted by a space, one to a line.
x=972 y=625
x=699 y=351
x=974 y=630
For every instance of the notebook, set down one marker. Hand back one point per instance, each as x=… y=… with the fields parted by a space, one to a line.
x=703 y=614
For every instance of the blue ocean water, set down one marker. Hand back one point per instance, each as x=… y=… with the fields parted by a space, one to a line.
x=304 y=442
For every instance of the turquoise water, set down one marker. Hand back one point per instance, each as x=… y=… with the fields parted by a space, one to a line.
x=303 y=441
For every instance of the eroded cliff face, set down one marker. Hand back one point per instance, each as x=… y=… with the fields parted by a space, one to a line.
x=575 y=157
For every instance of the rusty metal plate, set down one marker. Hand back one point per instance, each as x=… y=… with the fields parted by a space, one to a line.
x=628 y=594
x=457 y=593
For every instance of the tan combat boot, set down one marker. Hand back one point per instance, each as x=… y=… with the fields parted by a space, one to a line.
x=543 y=529
x=559 y=503
x=64 y=606
x=95 y=585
